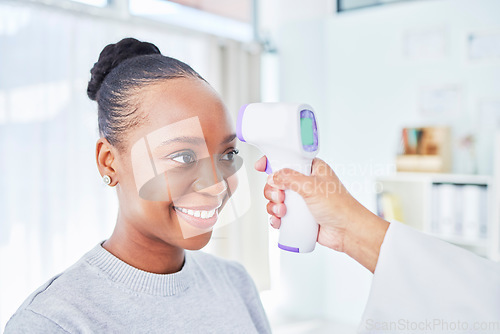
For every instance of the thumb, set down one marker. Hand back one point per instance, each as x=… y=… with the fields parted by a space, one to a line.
x=321 y=168
x=292 y=180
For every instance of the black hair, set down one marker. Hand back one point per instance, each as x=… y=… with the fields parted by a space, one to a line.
x=122 y=71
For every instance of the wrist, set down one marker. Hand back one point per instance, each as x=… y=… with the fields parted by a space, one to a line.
x=364 y=236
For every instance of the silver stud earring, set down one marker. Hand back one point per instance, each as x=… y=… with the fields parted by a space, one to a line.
x=106 y=179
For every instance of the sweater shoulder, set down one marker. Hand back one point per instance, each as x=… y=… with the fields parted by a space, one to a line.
x=74 y=278
x=51 y=294
x=27 y=321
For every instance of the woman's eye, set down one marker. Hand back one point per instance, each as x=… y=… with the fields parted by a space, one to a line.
x=184 y=157
x=229 y=156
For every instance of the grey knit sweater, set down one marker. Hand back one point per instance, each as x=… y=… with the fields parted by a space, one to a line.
x=102 y=294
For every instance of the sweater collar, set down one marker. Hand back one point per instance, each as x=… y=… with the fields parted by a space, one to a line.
x=140 y=280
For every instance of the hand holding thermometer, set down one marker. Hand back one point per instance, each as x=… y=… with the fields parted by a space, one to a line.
x=287 y=134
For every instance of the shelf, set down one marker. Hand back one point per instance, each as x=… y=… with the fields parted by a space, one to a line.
x=434 y=204
x=438 y=178
x=422 y=163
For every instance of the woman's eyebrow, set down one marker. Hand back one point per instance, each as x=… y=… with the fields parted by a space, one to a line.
x=195 y=140
x=184 y=139
x=229 y=138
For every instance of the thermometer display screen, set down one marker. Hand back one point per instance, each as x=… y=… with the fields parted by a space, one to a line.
x=308 y=131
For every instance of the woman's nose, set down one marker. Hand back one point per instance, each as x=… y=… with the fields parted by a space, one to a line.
x=210 y=180
x=217 y=189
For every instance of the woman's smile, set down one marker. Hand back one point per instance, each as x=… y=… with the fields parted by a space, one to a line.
x=202 y=217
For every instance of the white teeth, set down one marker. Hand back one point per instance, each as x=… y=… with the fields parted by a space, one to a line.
x=198 y=213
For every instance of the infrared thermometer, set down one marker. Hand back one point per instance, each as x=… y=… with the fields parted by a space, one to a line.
x=287 y=134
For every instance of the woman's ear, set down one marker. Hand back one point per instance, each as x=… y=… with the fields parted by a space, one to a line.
x=105 y=158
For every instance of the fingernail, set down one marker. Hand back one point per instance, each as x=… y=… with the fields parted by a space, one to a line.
x=274 y=196
x=276 y=210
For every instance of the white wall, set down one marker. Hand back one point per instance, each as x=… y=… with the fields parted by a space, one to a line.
x=351 y=68
x=373 y=90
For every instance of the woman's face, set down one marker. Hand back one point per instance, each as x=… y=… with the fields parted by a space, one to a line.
x=178 y=169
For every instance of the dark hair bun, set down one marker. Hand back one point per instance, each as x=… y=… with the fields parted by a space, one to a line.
x=114 y=54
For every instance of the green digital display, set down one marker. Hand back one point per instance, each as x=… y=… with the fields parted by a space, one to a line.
x=307 y=131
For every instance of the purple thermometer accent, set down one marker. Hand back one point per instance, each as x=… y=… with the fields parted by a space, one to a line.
x=268 y=167
x=309 y=114
x=239 y=123
x=287 y=248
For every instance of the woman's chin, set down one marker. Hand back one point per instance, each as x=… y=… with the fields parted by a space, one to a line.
x=197 y=242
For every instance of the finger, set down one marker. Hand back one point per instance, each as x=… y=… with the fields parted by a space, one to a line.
x=278 y=210
x=274 y=194
x=293 y=180
x=260 y=165
x=275 y=222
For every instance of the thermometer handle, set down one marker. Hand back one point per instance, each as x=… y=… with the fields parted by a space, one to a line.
x=299 y=230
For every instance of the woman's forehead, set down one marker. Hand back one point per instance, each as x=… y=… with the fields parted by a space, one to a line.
x=178 y=99
x=181 y=98
x=182 y=107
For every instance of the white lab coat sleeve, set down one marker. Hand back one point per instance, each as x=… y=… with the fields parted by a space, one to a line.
x=423 y=284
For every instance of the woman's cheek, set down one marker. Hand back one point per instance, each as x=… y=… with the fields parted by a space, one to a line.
x=232 y=184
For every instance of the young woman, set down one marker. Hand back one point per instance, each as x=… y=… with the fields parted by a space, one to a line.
x=168 y=146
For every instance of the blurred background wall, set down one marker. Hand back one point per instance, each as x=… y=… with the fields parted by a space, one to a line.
x=368 y=72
